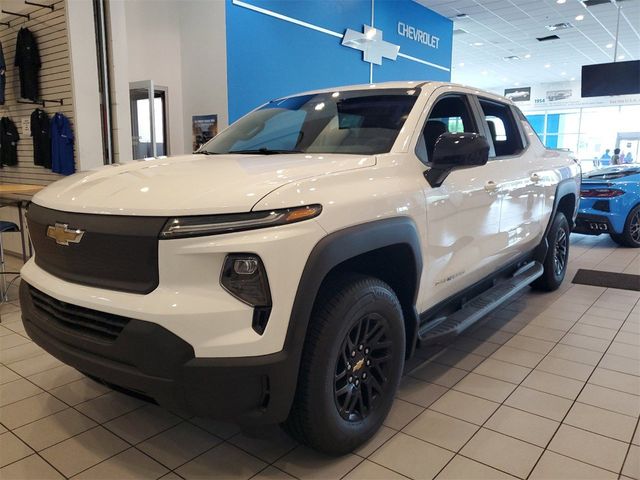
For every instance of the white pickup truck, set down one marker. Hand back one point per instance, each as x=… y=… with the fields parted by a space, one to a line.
x=285 y=271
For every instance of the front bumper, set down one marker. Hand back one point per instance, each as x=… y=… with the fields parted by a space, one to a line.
x=149 y=360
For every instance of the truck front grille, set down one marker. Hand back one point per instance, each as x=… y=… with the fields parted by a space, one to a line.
x=104 y=326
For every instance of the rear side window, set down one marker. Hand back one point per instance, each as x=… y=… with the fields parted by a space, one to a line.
x=502 y=127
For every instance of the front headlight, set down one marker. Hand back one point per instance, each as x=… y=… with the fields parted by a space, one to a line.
x=202 y=225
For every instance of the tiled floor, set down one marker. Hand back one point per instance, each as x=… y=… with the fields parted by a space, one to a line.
x=547 y=387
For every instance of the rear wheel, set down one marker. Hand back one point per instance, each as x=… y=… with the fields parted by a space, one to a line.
x=351 y=365
x=555 y=263
x=630 y=236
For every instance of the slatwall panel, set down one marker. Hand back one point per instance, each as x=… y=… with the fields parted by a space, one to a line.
x=50 y=29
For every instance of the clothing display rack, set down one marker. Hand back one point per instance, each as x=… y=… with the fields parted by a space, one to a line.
x=42 y=102
x=15 y=14
x=41 y=5
x=25 y=15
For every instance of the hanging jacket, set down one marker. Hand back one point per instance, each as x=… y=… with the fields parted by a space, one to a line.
x=3 y=75
x=41 y=134
x=28 y=61
x=61 y=145
x=8 y=142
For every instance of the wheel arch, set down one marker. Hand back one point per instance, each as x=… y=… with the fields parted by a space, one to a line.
x=376 y=248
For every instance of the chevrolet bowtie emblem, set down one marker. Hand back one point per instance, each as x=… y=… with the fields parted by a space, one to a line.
x=63 y=235
x=370 y=42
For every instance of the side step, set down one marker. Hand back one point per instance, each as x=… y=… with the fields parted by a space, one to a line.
x=448 y=327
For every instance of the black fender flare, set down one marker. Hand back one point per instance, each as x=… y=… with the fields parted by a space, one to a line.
x=565 y=187
x=330 y=252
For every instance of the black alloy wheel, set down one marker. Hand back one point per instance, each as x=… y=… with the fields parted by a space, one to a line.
x=557 y=257
x=362 y=367
x=351 y=364
x=561 y=252
x=630 y=236
x=634 y=227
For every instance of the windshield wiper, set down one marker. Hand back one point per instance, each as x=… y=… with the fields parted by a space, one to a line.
x=265 y=151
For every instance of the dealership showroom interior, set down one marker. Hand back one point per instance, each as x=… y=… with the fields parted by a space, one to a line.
x=320 y=239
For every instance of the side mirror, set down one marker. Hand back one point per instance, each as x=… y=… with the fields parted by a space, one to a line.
x=454 y=151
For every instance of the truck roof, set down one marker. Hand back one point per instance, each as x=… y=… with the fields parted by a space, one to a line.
x=424 y=84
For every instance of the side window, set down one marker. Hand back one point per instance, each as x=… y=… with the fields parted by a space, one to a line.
x=449 y=114
x=503 y=128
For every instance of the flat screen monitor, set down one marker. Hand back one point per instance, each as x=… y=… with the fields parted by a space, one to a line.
x=604 y=79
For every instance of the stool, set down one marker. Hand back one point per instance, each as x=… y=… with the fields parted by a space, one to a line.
x=5 y=227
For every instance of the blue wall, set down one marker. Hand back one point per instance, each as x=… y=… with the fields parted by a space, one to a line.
x=269 y=57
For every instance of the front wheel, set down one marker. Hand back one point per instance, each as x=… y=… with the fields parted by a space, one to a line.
x=555 y=263
x=351 y=365
x=630 y=236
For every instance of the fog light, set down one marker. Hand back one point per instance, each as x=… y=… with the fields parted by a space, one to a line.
x=245 y=266
x=244 y=277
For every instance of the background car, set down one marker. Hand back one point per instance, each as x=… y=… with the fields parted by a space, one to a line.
x=610 y=203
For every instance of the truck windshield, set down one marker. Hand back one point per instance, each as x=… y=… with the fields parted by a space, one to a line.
x=357 y=122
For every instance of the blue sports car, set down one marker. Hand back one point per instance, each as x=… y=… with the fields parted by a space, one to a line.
x=610 y=203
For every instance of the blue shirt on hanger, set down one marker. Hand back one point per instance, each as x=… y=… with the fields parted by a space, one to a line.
x=62 y=145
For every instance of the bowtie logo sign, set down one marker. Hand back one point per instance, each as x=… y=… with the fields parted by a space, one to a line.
x=370 y=42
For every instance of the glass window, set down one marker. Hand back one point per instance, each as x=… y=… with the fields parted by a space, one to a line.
x=537 y=123
x=449 y=114
x=360 y=122
x=503 y=128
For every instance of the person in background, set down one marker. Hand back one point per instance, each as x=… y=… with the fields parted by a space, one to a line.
x=615 y=160
x=604 y=159
x=628 y=158
x=622 y=160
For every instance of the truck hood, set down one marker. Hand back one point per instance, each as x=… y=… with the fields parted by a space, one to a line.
x=190 y=184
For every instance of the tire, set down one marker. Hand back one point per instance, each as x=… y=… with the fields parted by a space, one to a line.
x=630 y=236
x=555 y=263
x=354 y=349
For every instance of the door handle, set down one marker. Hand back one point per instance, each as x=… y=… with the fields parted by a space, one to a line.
x=490 y=186
x=535 y=178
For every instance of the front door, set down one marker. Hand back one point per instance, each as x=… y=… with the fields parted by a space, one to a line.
x=463 y=214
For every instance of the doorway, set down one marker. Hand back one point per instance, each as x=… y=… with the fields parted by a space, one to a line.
x=148 y=120
x=629 y=143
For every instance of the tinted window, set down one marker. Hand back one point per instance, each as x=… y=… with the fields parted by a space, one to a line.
x=358 y=122
x=449 y=114
x=502 y=127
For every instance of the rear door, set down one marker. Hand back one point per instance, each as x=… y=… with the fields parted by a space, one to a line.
x=519 y=180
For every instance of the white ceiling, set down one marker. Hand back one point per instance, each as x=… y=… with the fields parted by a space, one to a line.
x=510 y=27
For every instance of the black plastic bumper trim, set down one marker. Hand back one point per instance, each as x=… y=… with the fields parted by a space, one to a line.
x=152 y=361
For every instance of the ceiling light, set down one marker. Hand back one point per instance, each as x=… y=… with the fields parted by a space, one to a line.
x=563 y=73
x=477 y=44
x=461 y=64
x=528 y=55
x=580 y=18
x=621 y=57
x=609 y=45
x=573 y=79
x=548 y=65
x=561 y=1
x=558 y=26
x=484 y=72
